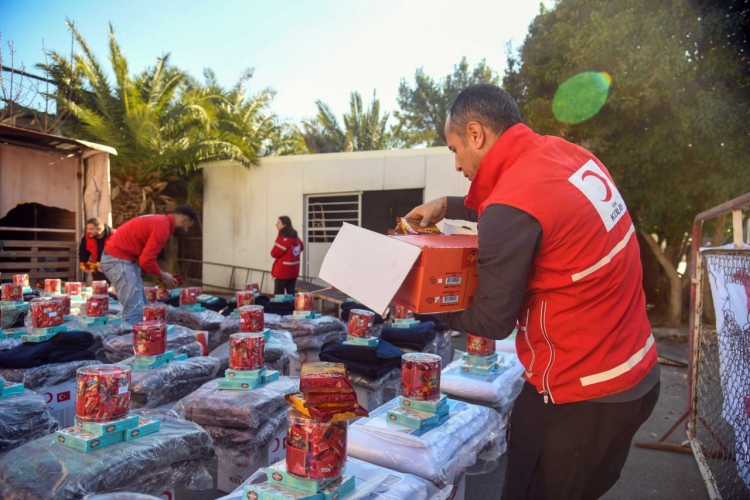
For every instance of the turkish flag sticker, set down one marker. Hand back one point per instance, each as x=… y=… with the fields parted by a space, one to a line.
x=63 y=396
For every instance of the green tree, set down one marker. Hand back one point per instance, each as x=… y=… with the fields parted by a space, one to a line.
x=424 y=106
x=674 y=131
x=364 y=129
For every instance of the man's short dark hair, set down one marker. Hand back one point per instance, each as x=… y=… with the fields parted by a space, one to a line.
x=486 y=104
x=187 y=211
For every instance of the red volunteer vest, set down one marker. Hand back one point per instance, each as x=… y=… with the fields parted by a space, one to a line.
x=584 y=331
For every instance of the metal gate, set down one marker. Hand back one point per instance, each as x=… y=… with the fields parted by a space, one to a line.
x=324 y=216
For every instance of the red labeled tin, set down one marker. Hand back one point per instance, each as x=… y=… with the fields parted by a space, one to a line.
x=12 y=292
x=152 y=292
x=479 y=346
x=189 y=296
x=102 y=393
x=97 y=306
x=46 y=313
x=360 y=323
x=303 y=301
x=52 y=286
x=21 y=279
x=420 y=375
x=100 y=287
x=245 y=298
x=402 y=312
x=73 y=288
x=252 y=287
x=252 y=319
x=149 y=338
x=65 y=299
x=247 y=351
x=155 y=312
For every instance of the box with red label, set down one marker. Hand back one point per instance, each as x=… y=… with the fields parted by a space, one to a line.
x=425 y=274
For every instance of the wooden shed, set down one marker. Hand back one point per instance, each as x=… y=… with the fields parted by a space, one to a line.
x=49 y=187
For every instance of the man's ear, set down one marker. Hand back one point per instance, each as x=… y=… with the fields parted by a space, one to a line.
x=475 y=135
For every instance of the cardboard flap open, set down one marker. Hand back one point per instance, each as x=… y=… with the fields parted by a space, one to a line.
x=368 y=266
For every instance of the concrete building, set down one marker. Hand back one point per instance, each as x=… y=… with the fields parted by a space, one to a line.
x=319 y=192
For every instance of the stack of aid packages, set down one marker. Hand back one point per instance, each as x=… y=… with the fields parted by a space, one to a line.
x=480 y=357
x=316 y=439
x=103 y=410
x=150 y=340
x=420 y=405
x=359 y=328
x=247 y=353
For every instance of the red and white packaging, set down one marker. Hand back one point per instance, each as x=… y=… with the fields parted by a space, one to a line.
x=252 y=319
x=245 y=298
x=97 y=306
x=155 y=312
x=73 y=288
x=52 y=286
x=149 y=338
x=189 y=296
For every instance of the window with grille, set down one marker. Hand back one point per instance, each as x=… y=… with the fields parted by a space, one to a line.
x=327 y=213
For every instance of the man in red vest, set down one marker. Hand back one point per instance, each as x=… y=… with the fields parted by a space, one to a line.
x=92 y=246
x=135 y=247
x=557 y=254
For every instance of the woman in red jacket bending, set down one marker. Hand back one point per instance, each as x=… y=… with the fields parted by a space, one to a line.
x=286 y=251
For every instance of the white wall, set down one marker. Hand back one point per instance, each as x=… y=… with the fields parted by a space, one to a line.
x=241 y=204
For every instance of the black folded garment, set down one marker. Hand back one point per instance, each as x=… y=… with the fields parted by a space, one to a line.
x=415 y=338
x=281 y=308
x=348 y=306
x=62 y=348
x=370 y=361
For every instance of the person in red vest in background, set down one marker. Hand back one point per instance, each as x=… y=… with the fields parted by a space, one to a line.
x=557 y=254
x=92 y=246
x=135 y=247
x=286 y=250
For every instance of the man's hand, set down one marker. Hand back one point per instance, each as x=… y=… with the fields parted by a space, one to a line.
x=431 y=212
x=168 y=280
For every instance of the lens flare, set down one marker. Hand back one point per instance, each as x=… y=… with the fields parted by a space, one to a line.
x=582 y=96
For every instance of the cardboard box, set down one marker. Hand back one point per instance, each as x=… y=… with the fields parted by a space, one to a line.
x=235 y=468
x=427 y=274
x=405 y=323
x=439 y=406
x=338 y=489
x=278 y=473
x=245 y=374
x=179 y=357
x=61 y=400
x=269 y=376
x=42 y=334
x=479 y=369
x=166 y=357
x=146 y=366
x=365 y=341
x=238 y=385
x=412 y=418
x=144 y=428
x=481 y=360
x=77 y=439
x=104 y=428
x=12 y=333
x=10 y=388
x=305 y=315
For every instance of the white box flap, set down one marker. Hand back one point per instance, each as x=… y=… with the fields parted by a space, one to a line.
x=367 y=266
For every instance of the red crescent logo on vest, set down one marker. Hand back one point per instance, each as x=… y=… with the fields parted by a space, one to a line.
x=604 y=181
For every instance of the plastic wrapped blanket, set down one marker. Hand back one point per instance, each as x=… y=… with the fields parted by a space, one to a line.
x=279 y=350
x=241 y=409
x=206 y=320
x=23 y=418
x=438 y=454
x=251 y=440
x=44 y=469
x=101 y=333
x=181 y=340
x=372 y=483
x=45 y=376
x=15 y=319
x=152 y=388
x=389 y=384
x=231 y=325
x=311 y=327
x=498 y=390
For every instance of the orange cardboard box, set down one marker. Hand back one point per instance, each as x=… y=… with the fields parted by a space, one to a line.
x=425 y=273
x=444 y=278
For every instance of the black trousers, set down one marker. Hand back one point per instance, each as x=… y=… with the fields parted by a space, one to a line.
x=569 y=451
x=282 y=287
x=99 y=277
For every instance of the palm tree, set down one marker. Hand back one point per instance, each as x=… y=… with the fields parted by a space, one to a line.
x=363 y=130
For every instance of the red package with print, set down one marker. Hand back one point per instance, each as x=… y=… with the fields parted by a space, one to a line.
x=254 y=287
x=21 y=279
x=402 y=312
x=152 y=292
x=189 y=296
x=12 y=292
x=73 y=288
x=479 y=346
x=52 y=286
x=315 y=450
x=102 y=393
x=420 y=375
x=155 y=312
x=149 y=338
x=245 y=298
x=252 y=319
x=303 y=301
x=100 y=287
x=46 y=313
x=360 y=323
x=65 y=299
x=97 y=306
x=323 y=376
x=162 y=293
x=247 y=351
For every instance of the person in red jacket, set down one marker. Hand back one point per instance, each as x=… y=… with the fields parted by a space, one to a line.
x=92 y=246
x=135 y=247
x=557 y=254
x=286 y=250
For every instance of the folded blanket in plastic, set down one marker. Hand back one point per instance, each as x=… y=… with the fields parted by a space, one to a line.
x=173 y=381
x=372 y=483
x=241 y=409
x=43 y=469
x=279 y=349
x=45 y=376
x=438 y=454
x=498 y=390
x=23 y=418
x=206 y=320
